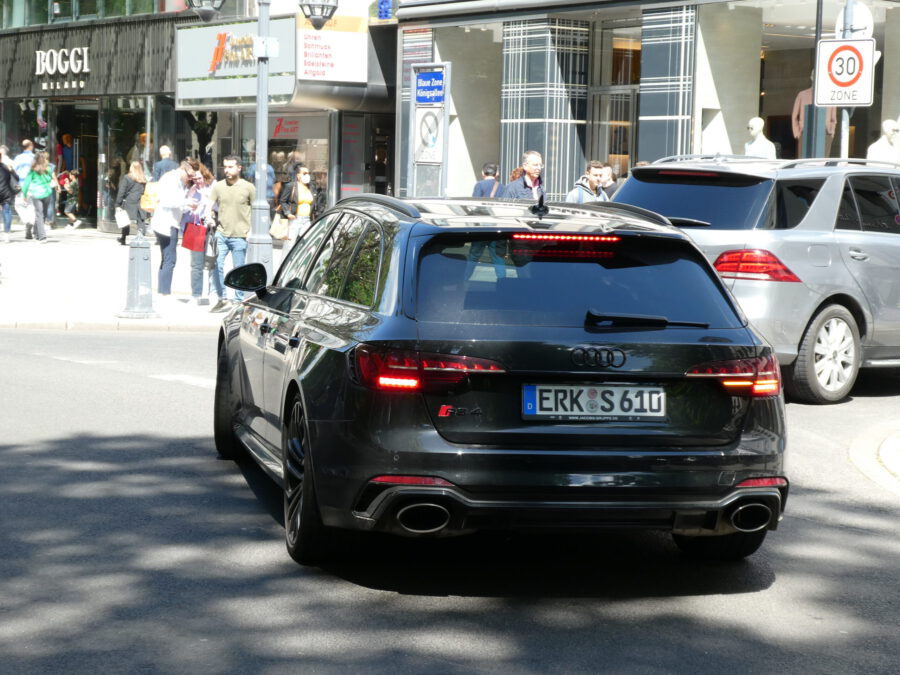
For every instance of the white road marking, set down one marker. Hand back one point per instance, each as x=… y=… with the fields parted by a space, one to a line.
x=202 y=382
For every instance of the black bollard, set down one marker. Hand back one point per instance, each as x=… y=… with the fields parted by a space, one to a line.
x=139 y=304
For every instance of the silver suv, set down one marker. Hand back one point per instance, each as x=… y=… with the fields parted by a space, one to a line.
x=810 y=248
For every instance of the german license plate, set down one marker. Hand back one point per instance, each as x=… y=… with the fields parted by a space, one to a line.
x=611 y=403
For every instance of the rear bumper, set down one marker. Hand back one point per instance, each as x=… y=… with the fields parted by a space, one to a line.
x=426 y=511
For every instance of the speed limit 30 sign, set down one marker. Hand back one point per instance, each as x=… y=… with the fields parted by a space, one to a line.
x=845 y=73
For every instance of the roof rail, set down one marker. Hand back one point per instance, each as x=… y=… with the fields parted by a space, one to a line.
x=838 y=161
x=714 y=157
x=618 y=206
x=387 y=201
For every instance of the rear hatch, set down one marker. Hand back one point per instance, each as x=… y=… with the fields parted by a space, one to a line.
x=718 y=209
x=562 y=340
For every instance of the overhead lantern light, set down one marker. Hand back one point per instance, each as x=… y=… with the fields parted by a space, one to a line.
x=207 y=10
x=319 y=12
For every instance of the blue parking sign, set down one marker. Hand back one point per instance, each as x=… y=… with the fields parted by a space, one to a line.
x=430 y=87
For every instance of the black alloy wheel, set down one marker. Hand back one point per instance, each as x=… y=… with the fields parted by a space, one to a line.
x=224 y=408
x=304 y=535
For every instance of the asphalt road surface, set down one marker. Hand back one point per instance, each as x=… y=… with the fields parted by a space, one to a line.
x=126 y=545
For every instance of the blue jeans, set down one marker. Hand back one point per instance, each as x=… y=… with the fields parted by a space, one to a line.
x=7 y=216
x=238 y=248
x=168 y=246
x=198 y=262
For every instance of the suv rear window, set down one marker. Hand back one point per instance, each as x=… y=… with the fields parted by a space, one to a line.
x=720 y=200
x=504 y=281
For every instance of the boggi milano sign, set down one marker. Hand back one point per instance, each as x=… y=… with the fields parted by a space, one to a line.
x=64 y=65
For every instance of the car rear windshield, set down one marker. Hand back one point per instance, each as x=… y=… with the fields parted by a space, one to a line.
x=723 y=201
x=505 y=280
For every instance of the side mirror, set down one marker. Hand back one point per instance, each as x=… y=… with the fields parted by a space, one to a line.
x=251 y=278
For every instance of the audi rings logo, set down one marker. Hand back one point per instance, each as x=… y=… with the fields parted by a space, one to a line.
x=601 y=357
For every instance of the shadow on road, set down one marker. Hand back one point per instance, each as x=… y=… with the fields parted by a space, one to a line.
x=147 y=553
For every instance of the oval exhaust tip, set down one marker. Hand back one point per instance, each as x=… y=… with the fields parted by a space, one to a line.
x=751 y=517
x=423 y=518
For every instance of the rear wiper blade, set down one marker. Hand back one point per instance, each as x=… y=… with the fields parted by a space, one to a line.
x=597 y=318
x=678 y=220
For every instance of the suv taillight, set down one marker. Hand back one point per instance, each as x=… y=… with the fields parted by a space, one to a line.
x=757 y=377
x=753 y=263
x=404 y=370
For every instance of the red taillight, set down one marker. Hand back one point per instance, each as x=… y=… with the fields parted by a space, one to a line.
x=412 y=480
x=553 y=246
x=752 y=263
x=401 y=370
x=759 y=376
x=775 y=481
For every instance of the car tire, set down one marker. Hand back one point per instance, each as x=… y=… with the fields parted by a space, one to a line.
x=305 y=536
x=734 y=546
x=224 y=407
x=828 y=358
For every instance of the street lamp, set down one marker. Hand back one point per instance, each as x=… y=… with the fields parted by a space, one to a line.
x=206 y=9
x=319 y=12
x=259 y=242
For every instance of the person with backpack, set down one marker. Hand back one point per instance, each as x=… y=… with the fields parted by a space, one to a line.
x=489 y=186
x=39 y=186
x=587 y=188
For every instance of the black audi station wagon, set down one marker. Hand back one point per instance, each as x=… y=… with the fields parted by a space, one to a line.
x=436 y=367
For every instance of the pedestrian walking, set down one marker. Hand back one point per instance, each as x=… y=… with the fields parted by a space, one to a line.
x=530 y=185
x=489 y=185
x=165 y=163
x=200 y=208
x=9 y=187
x=166 y=222
x=608 y=181
x=131 y=189
x=22 y=167
x=39 y=186
x=297 y=202
x=587 y=188
x=71 y=188
x=232 y=198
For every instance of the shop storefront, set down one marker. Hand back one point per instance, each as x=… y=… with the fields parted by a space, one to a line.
x=622 y=82
x=331 y=94
x=96 y=96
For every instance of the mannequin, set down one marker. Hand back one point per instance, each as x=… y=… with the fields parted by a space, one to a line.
x=758 y=145
x=803 y=99
x=886 y=148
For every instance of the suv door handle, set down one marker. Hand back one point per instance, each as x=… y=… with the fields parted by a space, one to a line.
x=856 y=254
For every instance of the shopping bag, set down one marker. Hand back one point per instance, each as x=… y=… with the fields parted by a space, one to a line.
x=280 y=227
x=122 y=219
x=194 y=237
x=25 y=208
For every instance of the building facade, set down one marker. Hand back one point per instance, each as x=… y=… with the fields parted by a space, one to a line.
x=100 y=84
x=627 y=82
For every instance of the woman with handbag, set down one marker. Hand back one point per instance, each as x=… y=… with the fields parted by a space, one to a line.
x=296 y=202
x=128 y=199
x=194 y=228
x=166 y=222
x=39 y=186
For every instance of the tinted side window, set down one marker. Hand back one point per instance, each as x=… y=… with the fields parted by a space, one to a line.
x=793 y=199
x=877 y=203
x=362 y=278
x=330 y=268
x=294 y=267
x=847 y=217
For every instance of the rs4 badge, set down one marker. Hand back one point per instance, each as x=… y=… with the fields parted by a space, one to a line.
x=449 y=411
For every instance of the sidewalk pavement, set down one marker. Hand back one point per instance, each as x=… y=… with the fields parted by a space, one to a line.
x=78 y=280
